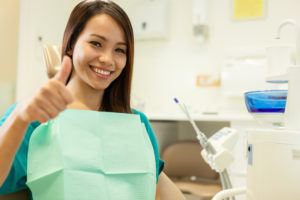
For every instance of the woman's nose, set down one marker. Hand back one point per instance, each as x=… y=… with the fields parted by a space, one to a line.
x=106 y=57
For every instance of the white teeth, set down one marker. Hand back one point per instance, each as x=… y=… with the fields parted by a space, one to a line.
x=99 y=71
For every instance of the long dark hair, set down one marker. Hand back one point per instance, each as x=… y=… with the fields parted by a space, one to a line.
x=116 y=97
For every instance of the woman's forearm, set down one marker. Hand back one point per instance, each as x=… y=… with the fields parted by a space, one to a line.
x=12 y=133
x=167 y=189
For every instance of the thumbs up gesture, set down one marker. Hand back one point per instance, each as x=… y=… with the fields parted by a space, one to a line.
x=51 y=99
x=66 y=68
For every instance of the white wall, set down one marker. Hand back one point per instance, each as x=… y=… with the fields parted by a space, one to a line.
x=163 y=69
x=43 y=19
x=169 y=68
x=9 y=20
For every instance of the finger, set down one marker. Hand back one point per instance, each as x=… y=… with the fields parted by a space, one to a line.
x=42 y=117
x=54 y=98
x=64 y=93
x=51 y=94
x=46 y=106
x=65 y=71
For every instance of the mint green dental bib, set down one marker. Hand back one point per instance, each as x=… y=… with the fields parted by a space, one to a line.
x=88 y=155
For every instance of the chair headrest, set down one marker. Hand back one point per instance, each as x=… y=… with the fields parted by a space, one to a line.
x=52 y=56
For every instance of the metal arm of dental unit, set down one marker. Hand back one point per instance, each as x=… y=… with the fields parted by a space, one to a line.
x=216 y=149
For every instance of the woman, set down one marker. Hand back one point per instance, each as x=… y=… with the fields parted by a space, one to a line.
x=96 y=74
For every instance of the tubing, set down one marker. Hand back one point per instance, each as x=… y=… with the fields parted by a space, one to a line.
x=229 y=193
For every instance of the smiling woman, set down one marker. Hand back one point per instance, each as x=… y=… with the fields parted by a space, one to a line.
x=95 y=76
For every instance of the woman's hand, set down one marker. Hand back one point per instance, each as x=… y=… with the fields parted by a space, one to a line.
x=51 y=99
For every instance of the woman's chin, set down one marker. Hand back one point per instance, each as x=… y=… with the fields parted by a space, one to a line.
x=99 y=87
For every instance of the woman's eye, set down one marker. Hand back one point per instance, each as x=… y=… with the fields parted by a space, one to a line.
x=121 y=51
x=97 y=44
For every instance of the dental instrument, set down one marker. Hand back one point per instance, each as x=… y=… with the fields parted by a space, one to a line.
x=216 y=149
x=200 y=136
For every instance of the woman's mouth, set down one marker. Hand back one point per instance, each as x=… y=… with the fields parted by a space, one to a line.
x=100 y=72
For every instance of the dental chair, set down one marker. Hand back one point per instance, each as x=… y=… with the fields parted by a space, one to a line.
x=187 y=169
x=52 y=56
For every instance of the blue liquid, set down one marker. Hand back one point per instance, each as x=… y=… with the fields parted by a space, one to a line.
x=269 y=101
x=266 y=110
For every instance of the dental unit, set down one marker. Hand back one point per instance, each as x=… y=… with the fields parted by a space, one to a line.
x=273 y=171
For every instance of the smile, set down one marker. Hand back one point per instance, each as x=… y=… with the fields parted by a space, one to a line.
x=101 y=71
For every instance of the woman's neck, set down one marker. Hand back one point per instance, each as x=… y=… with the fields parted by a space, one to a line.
x=85 y=97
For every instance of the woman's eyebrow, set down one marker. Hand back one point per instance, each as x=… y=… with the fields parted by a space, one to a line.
x=105 y=39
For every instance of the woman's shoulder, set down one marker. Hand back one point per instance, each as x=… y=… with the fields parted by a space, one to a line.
x=159 y=162
x=143 y=117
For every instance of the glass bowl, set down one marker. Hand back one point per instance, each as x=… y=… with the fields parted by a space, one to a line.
x=267 y=106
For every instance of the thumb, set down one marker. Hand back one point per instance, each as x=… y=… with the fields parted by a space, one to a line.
x=65 y=71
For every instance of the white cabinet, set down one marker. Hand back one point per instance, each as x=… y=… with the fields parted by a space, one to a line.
x=150 y=19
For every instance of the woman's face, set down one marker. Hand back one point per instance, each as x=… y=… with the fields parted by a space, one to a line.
x=99 y=54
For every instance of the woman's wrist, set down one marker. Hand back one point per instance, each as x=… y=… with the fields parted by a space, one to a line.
x=19 y=116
